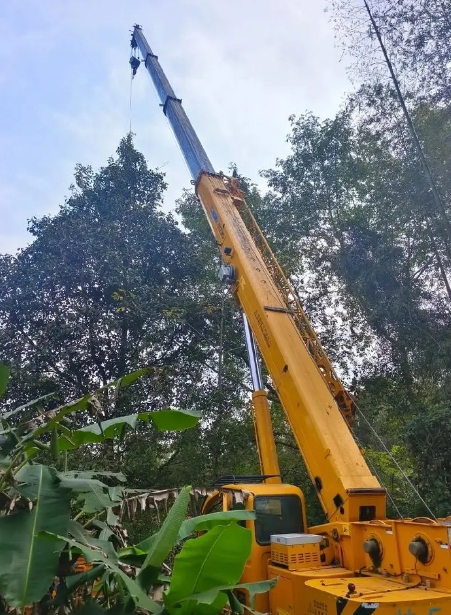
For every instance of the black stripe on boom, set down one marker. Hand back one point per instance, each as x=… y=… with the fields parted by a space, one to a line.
x=365 y=609
x=341 y=603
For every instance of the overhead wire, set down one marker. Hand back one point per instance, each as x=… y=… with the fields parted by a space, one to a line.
x=377 y=475
x=132 y=74
x=393 y=459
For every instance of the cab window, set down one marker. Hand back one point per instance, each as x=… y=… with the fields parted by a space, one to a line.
x=217 y=507
x=277 y=514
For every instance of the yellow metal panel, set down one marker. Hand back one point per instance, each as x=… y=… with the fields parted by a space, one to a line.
x=371 y=596
x=290 y=590
x=281 y=597
x=295 y=557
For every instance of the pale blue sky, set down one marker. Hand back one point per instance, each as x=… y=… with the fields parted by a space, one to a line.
x=240 y=66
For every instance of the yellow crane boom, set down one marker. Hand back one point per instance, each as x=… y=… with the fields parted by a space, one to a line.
x=346 y=488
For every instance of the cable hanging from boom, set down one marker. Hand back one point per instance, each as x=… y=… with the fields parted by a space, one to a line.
x=134 y=65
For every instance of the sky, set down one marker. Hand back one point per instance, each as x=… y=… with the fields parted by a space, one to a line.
x=242 y=67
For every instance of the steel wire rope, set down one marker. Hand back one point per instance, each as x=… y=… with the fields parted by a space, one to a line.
x=392 y=458
x=130 y=103
x=376 y=474
x=135 y=54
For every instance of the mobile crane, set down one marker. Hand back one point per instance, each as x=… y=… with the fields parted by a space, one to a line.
x=358 y=562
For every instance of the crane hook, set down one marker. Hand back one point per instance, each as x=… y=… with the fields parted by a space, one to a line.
x=134 y=63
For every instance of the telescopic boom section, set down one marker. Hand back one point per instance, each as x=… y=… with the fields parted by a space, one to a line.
x=346 y=488
x=198 y=163
x=192 y=150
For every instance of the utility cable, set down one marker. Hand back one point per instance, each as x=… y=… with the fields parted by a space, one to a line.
x=392 y=458
x=376 y=474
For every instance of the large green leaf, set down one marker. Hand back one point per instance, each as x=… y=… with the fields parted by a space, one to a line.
x=74 y=581
x=33 y=402
x=165 y=539
x=4 y=377
x=83 y=402
x=214 y=560
x=105 y=531
x=132 y=377
x=62 y=411
x=92 y=474
x=78 y=532
x=133 y=556
x=211 y=595
x=93 y=493
x=8 y=442
x=173 y=420
x=170 y=420
x=207 y=522
x=29 y=480
x=28 y=564
x=97 y=556
x=92 y=607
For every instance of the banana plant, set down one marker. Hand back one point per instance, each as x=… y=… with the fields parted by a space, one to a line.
x=49 y=518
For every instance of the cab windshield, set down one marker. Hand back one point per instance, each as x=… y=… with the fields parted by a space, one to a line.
x=277 y=514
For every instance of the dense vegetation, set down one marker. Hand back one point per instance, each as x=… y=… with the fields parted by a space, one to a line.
x=111 y=283
x=63 y=546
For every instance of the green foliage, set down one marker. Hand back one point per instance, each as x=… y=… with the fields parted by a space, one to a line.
x=109 y=284
x=170 y=420
x=215 y=559
x=94 y=285
x=428 y=437
x=209 y=597
x=4 y=377
x=109 y=562
x=27 y=564
x=161 y=544
x=40 y=535
x=207 y=522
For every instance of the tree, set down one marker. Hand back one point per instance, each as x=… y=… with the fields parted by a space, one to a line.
x=87 y=299
x=349 y=210
x=416 y=34
x=225 y=401
x=111 y=284
x=304 y=216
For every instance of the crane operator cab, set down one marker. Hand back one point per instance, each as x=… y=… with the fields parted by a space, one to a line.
x=280 y=542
